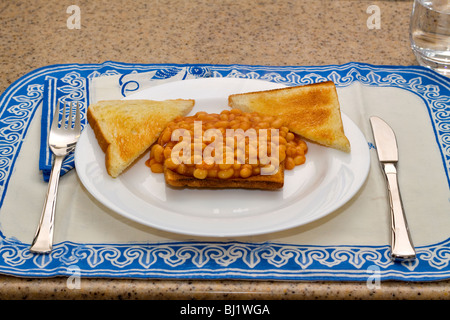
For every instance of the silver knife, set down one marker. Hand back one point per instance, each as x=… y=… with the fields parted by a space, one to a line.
x=402 y=248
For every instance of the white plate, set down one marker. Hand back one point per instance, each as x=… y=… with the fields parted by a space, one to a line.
x=327 y=180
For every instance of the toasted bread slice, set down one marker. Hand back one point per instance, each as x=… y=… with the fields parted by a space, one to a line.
x=125 y=129
x=311 y=111
x=264 y=182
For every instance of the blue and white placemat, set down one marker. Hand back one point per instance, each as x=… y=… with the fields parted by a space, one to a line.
x=232 y=259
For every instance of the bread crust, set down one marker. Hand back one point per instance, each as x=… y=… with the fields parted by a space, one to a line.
x=101 y=139
x=99 y=135
x=263 y=182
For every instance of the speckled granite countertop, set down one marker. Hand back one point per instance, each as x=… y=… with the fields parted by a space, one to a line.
x=262 y=32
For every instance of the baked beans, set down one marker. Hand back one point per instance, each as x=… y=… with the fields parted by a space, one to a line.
x=189 y=147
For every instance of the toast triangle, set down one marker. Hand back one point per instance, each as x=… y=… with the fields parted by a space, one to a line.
x=311 y=111
x=125 y=129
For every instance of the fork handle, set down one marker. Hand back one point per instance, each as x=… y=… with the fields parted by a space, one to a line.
x=43 y=239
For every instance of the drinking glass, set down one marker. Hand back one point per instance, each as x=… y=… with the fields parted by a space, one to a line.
x=430 y=34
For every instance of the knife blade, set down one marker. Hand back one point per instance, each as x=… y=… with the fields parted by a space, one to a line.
x=402 y=248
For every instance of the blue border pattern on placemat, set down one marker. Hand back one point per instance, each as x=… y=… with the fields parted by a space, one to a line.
x=231 y=259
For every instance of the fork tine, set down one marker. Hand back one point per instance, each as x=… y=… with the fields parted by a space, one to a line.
x=77 y=126
x=56 y=116
x=70 y=118
x=63 y=120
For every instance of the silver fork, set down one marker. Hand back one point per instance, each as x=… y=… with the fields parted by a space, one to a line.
x=62 y=140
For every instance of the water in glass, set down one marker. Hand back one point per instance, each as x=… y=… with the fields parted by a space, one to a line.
x=430 y=34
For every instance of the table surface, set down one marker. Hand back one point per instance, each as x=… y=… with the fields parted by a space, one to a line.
x=255 y=32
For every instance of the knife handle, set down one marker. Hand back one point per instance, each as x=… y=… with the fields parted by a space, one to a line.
x=401 y=245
